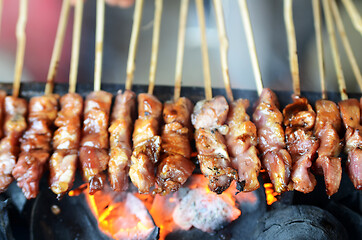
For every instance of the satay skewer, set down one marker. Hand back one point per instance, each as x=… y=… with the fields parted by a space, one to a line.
x=21 y=41
x=66 y=139
x=353 y=14
x=155 y=44
x=251 y=45
x=334 y=48
x=346 y=44
x=1 y=12
x=180 y=48
x=58 y=46
x=224 y=47
x=77 y=30
x=204 y=49
x=36 y=141
x=328 y=121
x=241 y=138
x=319 y=44
x=137 y=20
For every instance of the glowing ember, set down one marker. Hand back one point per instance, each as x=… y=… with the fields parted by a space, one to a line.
x=270 y=193
x=131 y=215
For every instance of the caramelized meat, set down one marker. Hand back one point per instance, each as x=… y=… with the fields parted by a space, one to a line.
x=66 y=139
x=36 y=144
x=175 y=166
x=299 y=120
x=351 y=116
x=271 y=142
x=146 y=142
x=242 y=141
x=208 y=119
x=2 y=111
x=327 y=127
x=120 y=139
x=93 y=153
x=14 y=126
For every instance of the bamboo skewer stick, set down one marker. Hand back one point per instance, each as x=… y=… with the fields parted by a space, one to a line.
x=1 y=12
x=204 y=49
x=21 y=41
x=346 y=44
x=244 y=11
x=334 y=48
x=180 y=48
x=58 y=45
x=99 y=45
x=319 y=44
x=137 y=19
x=77 y=29
x=224 y=46
x=353 y=14
x=292 y=45
x=155 y=44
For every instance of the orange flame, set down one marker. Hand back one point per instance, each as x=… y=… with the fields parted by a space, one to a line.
x=270 y=193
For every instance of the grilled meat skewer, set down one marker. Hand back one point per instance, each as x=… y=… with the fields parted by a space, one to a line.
x=271 y=141
x=327 y=128
x=242 y=141
x=66 y=139
x=175 y=166
x=36 y=144
x=208 y=119
x=2 y=111
x=120 y=139
x=146 y=142
x=14 y=126
x=93 y=153
x=299 y=120
x=351 y=115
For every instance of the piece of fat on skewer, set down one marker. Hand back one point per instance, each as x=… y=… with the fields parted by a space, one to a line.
x=66 y=139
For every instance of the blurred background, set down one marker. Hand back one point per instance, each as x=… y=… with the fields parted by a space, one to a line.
x=267 y=22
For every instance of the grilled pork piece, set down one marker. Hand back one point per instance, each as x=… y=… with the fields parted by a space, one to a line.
x=327 y=128
x=36 y=144
x=351 y=116
x=175 y=166
x=120 y=139
x=146 y=142
x=63 y=162
x=299 y=120
x=93 y=153
x=242 y=141
x=14 y=126
x=208 y=119
x=2 y=111
x=271 y=141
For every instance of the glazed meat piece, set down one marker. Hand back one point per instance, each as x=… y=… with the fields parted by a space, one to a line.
x=146 y=142
x=93 y=153
x=36 y=144
x=351 y=116
x=120 y=139
x=208 y=119
x=242 y=141
x=327 y=128
x=299 y=120
x=63 y=162
x=14 y=126
x=175 y=166
x=271 y=142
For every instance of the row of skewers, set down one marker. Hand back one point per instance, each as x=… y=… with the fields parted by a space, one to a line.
x=229 y=145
